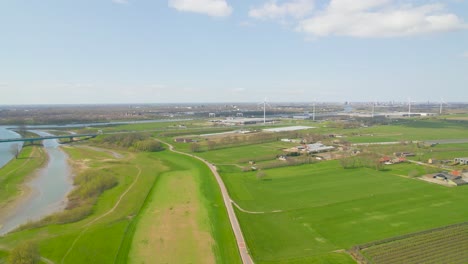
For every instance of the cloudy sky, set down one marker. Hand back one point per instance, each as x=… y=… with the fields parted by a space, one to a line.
x=156 y=51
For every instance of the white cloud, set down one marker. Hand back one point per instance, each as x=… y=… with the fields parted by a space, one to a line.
x=465 y=54
x=379 y=18
x=272 y=10
x=215 y=8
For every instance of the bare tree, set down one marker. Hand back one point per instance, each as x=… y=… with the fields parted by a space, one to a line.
x=15 y=150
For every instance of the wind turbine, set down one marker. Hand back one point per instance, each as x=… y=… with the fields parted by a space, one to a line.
x=409 y=107
x=441 y=105
x=313 y=110
x=264 y=110
x=373 y=108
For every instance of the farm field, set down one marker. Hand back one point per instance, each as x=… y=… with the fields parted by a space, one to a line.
x=106 y=235
x=448 y=245
x=307 y=212
x=409 y=130
x=241 y=155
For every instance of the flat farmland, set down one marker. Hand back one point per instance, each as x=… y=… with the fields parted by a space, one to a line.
x=307 y=213
x=447 y=245
x=409 y=130
x=240 y=155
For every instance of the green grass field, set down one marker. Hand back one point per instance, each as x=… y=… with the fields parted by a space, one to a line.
x=412 y=129
x=324 y=208
x=106 y=235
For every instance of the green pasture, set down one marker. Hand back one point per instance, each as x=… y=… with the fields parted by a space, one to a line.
x=106 y=235
x=412 y=129
x=446 y=152
x=237 y=154
x=92 y=239
x=324 y=208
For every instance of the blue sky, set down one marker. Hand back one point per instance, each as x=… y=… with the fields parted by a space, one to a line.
x=156 y=51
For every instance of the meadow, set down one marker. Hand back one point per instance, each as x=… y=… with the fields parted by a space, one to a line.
x=412 y=129
x=310 y=211
x=300 y=214
x=106 y=235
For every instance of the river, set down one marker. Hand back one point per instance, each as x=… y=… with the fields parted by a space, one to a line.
x=5 y=154
x=49 y=188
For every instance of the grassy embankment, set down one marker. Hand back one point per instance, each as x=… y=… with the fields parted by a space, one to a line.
x=325 y=208
x=184 y=219
x=105 y=236
x=13 y=174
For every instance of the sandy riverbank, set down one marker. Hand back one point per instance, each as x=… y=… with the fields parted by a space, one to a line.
x=9 y=207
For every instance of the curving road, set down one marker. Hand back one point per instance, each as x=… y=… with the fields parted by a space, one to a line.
x=246 y=259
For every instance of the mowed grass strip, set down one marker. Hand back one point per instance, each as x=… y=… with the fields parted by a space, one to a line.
x=184 y=219
x=321 y=208
x=170 y=229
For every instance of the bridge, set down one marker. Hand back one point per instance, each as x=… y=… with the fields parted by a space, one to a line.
x=71 y=136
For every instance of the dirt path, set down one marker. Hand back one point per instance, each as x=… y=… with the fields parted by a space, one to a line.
x=113 y=153
x=237 y=165
x=254 y=212
x=243 y=250
x=86 y=226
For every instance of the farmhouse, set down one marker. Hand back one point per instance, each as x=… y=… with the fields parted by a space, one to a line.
x=462 y=161
x=450 y=178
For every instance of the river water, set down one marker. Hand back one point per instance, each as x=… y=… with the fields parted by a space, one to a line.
x=49 y=188
x=52 y=183
x=5 y=154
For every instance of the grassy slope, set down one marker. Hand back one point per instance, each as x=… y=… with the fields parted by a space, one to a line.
x=101 y=241
x=107 y=240
x=13 y=174
x=211 y=217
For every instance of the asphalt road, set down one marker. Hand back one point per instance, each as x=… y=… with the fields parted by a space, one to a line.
x=244 y=253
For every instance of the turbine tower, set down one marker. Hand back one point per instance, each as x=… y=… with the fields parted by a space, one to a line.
x=409 y=107
x=264 y=111
x=373 y=108
x=441 y=105
x=313 y=112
